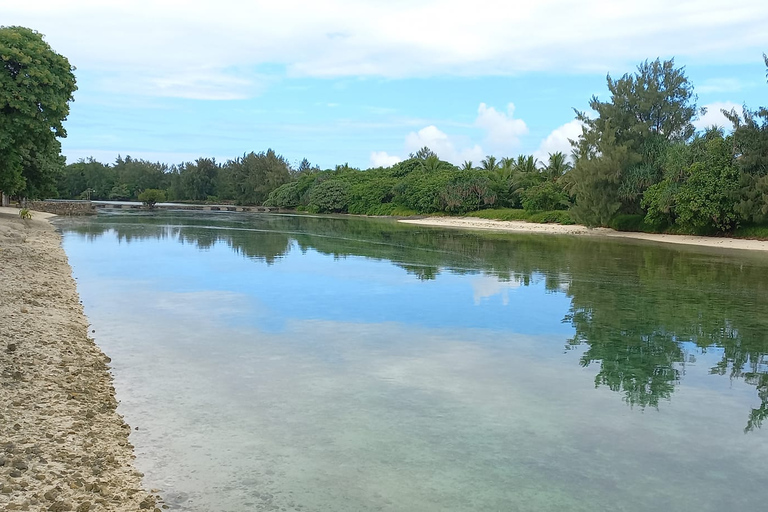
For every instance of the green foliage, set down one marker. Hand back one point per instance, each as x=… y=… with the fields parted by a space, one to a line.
x=754 y=231
x=87 y=178
x=501 y=214
x=198 y=179
x=545 y=196
x=152 y=196
x=25 y=214
x=36 y=86
x=551 y=217
x=254 y=175
x=699 y=191
x=330 y=196
x=634 y=222
x=594 y=181
x=619 y=151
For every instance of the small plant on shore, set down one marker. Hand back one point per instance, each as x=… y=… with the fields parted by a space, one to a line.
x=25 y=214
x=151 y=196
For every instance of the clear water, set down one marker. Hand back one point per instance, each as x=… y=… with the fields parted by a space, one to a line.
x=321 y=364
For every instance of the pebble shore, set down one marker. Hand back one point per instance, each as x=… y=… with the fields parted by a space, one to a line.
x=63 y=446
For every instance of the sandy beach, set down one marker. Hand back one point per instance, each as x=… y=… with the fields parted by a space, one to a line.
x=62 y=444
x=530 y=227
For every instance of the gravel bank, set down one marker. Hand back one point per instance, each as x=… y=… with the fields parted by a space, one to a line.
x=62 y=444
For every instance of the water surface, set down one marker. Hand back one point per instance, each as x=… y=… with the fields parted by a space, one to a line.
x=316 y=363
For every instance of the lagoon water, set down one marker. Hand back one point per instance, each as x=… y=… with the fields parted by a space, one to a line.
x=304 y=363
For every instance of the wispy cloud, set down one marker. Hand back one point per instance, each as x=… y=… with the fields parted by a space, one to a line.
x=714 y=115
x=206 y=50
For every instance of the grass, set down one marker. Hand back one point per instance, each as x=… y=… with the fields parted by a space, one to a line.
x=753 y=231
x=546 y=217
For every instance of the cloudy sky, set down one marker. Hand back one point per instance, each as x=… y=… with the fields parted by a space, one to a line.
x=369 y=81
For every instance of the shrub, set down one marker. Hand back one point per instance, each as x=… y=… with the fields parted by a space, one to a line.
x=552 y=217
x=152 y=196
x=329 y=196
x=545 y=196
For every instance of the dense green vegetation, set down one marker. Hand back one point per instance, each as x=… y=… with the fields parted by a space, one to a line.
x=638 y=164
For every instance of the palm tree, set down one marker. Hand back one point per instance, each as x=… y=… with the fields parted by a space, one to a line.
x=433 y=163
x=489 y=163
x=557 y=166
x=467 y=166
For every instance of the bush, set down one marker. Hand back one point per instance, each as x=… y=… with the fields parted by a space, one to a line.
x=552 y=217
x=501 y=214
x=152 y=196
x=330 y=196
x=639 y=223
x=755 y=231
x=545 y=196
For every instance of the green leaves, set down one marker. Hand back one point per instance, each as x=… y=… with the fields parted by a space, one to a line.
x=36 y=86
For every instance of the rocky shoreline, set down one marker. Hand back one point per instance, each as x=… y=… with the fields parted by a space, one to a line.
x=63 y=446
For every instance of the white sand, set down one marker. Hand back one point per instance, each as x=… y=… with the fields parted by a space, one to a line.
x=62 y=444
x=531 y=227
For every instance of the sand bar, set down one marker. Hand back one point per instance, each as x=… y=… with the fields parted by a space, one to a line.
x=531 y=227
x=62 y=444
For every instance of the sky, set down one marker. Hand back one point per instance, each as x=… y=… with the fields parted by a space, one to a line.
x=368 y=82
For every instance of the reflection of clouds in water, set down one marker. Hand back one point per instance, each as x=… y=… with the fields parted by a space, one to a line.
x=214 y=303
x=487 y=286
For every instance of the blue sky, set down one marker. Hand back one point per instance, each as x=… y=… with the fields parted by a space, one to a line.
x=367 y=82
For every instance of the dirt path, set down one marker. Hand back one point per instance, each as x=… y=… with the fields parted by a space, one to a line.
x=62 y=444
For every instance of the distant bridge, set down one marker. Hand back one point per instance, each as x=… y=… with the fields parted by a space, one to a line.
x=129 y=205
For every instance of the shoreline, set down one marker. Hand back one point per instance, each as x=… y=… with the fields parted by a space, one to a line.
x=63 y=446
x=473 y=223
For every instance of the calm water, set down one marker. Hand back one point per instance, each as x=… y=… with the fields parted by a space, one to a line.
x=320 y=364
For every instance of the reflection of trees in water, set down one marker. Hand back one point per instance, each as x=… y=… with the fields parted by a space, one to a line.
x=635 y=307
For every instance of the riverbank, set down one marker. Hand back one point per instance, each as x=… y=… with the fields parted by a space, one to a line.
x=62 y=444
x=531 y=227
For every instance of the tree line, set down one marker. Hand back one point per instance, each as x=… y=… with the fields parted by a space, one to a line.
x=639 y=163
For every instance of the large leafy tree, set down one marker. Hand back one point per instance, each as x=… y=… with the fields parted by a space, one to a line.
x=36 y=86
x=618 y=150
x=256 y=175
x=750 y=145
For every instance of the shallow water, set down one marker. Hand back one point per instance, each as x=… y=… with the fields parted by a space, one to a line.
x=301 y=363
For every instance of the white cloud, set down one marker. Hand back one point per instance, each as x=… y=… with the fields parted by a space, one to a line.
x=195 y=48
x=503 y=131
x=383 y=159
x=558 y=140
x=444 y=145
x=714 y=115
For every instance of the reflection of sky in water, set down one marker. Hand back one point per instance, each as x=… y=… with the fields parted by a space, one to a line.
x=347 y=384
x=312 y=285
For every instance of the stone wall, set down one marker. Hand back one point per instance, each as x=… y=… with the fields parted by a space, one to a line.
x=63 y=207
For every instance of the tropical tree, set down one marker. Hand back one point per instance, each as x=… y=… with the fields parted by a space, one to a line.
x=198 y=178
x=557 y=166
x=467 y=165
x=36 y=86
x=619 y=148
x=254 y=175
x=423 y=154
x=489 y=163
